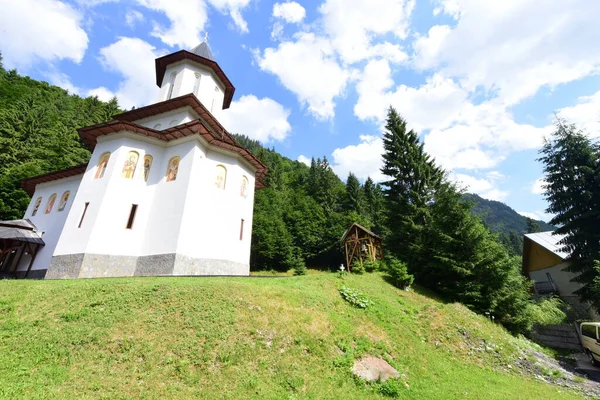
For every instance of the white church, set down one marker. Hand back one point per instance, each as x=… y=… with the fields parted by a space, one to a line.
x=167 y=190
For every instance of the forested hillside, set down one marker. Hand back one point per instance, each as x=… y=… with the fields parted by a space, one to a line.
x=500 y=218
x=38 y=133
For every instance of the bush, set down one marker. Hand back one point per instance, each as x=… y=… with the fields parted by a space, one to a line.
x=358 y=267
x=297 y=264
x=398 y=273
x=355 y=297
x=372 y=266
x=389 y=388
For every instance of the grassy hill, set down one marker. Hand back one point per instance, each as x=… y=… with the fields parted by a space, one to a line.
x=249 y=338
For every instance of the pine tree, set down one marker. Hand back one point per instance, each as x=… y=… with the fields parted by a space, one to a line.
x=572 y=172
x=354 y=195
x=532 y=226
x=413 y=179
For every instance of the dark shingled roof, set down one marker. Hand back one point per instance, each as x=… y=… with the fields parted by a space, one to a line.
x=203 y=51
x=22 y=230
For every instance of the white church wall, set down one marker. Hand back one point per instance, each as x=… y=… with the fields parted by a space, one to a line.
x=185 y=82
x=212 y=218
x=168 y=119
x=166 y=212
x=49 y=225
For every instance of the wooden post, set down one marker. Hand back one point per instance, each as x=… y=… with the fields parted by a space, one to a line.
x=33 y=255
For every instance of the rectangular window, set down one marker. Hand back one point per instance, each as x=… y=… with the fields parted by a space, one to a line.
x=83 y=214
x=132 y=216
x=242 y=230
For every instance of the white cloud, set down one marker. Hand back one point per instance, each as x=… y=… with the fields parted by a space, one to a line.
x=133 y=17
x=307 y=67
x=512 y=48
x=353 y=24
x=64 y=81
x=486 y=188
x=363 y=159
x=538 y=186
x=441 y=94
x=40 y=30
x=290 y=11
x=585 y=114
x=189 y=18
x=304 y=160
x=133 y=59
x=260 y=119
x=102 y=93
x=531 y=215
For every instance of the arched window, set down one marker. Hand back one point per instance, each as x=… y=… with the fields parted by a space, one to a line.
x=50 y=204
x=130 y=164
x=147 y=166
x=38 y=202
x=244 y=187
x=198 y=75
x=173 y=123
x=171 y=85
x=102 y=165
x=221 y=177
x=63 y=200
x=172 y=169
x=157 y=127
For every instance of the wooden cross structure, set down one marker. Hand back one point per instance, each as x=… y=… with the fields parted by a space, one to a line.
x=361 y=245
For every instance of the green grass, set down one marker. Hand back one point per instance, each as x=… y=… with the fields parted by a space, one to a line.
x=289 y=338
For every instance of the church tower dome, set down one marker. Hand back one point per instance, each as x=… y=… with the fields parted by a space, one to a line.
x=196 y=72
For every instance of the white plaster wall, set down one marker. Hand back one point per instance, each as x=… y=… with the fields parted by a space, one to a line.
x=212 y=218
x=561 y=278
x=162 y=231
x=166 y=120
x=185 y=81
x=50 y=224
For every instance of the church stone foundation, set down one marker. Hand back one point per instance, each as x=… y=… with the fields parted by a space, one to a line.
x=155 y=265
x=72 y=266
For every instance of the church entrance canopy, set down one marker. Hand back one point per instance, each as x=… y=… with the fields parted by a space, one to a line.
x=19 y=242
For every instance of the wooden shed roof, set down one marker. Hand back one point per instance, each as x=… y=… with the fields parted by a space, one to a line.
x=362 y=228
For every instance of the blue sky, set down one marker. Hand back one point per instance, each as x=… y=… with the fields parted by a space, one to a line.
x=479 y=80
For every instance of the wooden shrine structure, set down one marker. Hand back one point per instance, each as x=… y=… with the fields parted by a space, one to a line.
x=361 y=245
x=19 y=240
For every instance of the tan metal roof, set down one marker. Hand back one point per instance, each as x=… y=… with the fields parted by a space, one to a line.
x=550 y=242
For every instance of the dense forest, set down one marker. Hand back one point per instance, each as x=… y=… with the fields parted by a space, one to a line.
x=38 y=133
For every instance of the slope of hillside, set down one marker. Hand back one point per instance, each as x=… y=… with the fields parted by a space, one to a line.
x=501 y=218
x=249 y=338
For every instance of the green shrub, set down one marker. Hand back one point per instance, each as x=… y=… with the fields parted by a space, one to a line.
x=355 y=297
x=372 y=266
x=398 y=273
x=297 y=264
x=358 y=267
x=390 y=388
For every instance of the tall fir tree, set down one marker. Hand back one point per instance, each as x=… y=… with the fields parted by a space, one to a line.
x=412 y=180
x=532 y=226
x=354 y=195
x=572 y=172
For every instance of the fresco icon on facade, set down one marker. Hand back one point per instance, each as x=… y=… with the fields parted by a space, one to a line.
x=63 y=200
x=102 y=165
x=172 y=169
x=50 y=205
x=244 y=187
x=147 y=166
x=38 y=202
x=221 y=177
x=130 y=164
